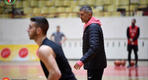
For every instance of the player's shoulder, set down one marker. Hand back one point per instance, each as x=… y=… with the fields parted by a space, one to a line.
x=44 y=49
x=137 y=27
x=44 y=52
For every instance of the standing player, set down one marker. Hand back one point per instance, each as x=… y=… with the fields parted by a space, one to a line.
x=133 y=33
x=58 y=36
x=52 y=58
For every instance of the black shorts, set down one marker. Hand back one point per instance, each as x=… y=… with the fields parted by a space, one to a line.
x=134 y=47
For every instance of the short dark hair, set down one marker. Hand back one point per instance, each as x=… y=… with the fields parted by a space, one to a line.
x=42 y=23
x=86 y=8
x=134 y=19
x=58 y=26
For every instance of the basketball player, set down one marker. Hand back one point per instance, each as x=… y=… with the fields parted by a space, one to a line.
x=52 y=58
x=133 y=33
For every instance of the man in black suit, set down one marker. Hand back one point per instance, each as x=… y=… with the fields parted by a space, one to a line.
x=94 y=58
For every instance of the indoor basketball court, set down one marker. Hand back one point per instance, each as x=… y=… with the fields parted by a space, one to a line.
x=19 y=55
x=33 y=71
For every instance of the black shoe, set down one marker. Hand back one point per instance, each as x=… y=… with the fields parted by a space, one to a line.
x=128 y=66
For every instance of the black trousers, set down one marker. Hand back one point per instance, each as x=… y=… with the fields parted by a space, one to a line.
x=95 y=74
x=130 y=48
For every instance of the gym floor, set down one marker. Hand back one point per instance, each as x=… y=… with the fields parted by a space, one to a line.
x=33 y=71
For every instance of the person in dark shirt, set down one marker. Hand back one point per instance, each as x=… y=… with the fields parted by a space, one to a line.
x=51 y=55
x=58 y=37
x=94 y=57
x=133 y=33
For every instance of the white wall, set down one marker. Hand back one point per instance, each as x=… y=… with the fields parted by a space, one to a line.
x=114 y=48
x=116 y=27
x=13 y=31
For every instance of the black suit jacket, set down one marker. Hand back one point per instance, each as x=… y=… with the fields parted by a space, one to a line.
x=93 y=48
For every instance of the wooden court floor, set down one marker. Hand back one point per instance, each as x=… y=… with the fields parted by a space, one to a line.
x=33 y=71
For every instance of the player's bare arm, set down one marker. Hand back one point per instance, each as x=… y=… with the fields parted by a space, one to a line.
x=47 y=56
